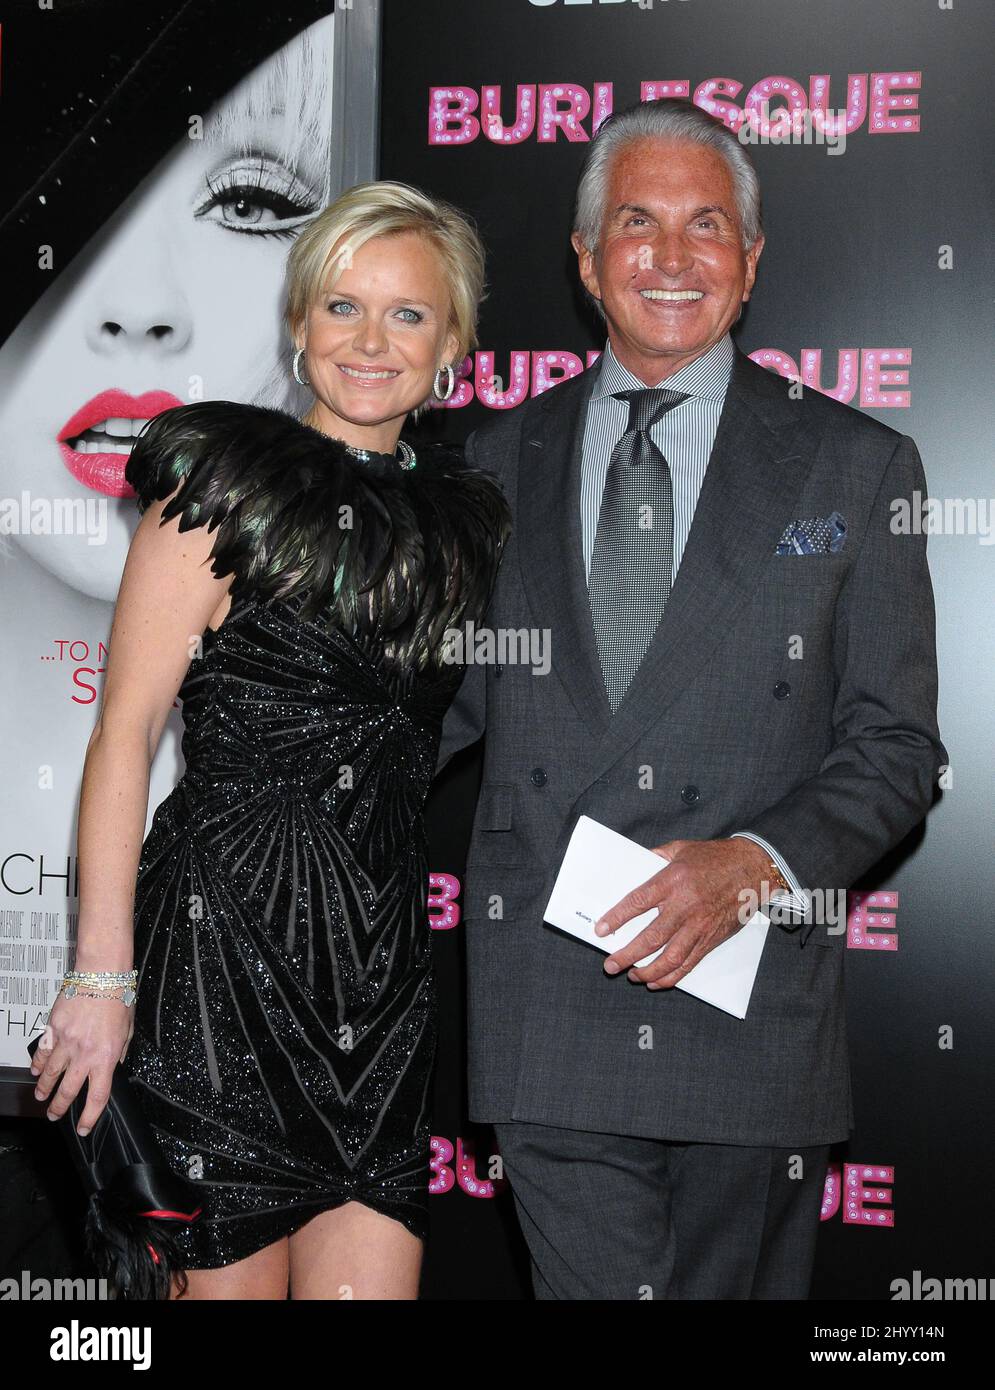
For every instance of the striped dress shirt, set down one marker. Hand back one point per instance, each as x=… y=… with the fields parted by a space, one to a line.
x=685 y=436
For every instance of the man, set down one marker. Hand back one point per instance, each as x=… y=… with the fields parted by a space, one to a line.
x=743 y=677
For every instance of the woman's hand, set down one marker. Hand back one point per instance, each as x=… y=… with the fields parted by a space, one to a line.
x=85 y=1039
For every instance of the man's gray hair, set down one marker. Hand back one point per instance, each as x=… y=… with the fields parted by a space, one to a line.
x=670 y=118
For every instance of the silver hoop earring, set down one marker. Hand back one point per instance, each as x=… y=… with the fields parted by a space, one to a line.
x=450 y=386
x=301 y=381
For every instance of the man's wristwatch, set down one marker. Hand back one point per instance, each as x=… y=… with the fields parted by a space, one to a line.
x=776 y=882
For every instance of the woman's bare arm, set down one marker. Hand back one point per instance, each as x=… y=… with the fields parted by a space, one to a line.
x=168 y=596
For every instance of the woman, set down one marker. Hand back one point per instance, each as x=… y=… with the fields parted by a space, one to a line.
x=284 y=1022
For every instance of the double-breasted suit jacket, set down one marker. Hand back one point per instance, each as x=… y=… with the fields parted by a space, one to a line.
x=791 y=695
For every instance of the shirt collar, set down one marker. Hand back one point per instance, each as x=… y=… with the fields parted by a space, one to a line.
x=707 y=377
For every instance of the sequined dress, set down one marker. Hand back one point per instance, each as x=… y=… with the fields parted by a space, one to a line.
x=285 y=1021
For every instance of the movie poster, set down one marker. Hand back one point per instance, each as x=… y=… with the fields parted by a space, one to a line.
x=177 y=152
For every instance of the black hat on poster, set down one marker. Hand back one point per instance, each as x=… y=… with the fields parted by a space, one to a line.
x=93 y=94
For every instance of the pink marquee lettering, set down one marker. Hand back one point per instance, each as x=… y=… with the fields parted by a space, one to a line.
x=446 y=1176
x=450 y=121
x=443 y=909
x=490 y=388
x=863 y=1184
x=877 y=371
x=886 y=102
x=653 y=91
x=525 y=115
x=862 y=1190
x=466 y=1173
x=870 y=921
x=562 y=108
x=549 y=368
x=875 y=378
x=443 y=1178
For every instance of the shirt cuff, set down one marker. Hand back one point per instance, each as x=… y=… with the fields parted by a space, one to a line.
x=796 y=901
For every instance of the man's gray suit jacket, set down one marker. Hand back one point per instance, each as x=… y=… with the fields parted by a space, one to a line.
x=826 y=746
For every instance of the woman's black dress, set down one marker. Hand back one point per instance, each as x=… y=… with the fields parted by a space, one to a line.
x=285 y=1020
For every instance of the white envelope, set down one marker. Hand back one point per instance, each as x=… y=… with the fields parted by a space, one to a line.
x=599 y=867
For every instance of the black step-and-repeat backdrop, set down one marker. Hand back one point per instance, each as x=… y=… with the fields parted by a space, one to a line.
x=874 y=287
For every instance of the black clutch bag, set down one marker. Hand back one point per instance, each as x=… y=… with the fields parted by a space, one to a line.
x=135 y=1200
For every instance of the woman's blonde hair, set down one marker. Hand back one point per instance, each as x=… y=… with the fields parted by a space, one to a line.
x=368 y=210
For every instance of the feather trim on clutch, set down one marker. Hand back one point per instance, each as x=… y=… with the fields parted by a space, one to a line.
x=135 y=1202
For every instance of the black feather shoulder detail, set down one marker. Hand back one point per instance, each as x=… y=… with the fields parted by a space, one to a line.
x=397 y=556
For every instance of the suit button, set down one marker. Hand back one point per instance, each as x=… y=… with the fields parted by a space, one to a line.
x=498 y=670
x=538 y=777
x=782 y=690
x=689 y=795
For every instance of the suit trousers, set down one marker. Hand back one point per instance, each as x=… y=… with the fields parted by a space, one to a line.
x=609 y=1216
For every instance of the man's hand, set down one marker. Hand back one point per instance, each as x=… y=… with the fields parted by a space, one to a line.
x=698 y=897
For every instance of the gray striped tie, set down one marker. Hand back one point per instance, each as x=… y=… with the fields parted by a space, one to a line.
x=633 y=556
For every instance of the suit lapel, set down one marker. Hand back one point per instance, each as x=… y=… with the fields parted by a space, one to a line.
x=550 y=546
